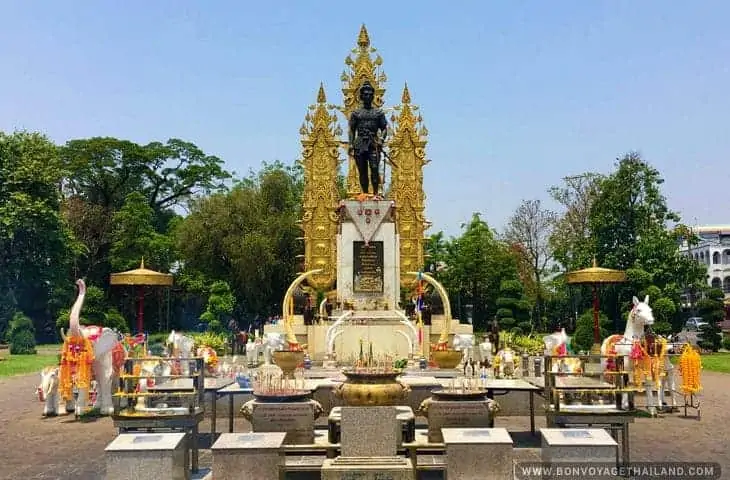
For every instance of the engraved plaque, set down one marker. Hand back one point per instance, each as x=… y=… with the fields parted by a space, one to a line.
x=368 y=267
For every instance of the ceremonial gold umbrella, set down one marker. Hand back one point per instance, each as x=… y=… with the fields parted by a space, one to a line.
x=595 y=276
x=141 y=277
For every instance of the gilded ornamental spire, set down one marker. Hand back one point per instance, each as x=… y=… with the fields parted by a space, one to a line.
x=320 y=159
x=408 y=152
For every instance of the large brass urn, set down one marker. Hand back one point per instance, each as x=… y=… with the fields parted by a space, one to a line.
x=366 y=388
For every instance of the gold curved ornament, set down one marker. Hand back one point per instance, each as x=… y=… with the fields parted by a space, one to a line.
x=288 y=306
x=446 y=329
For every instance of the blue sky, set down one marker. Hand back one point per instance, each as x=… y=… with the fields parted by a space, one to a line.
x=515 y=94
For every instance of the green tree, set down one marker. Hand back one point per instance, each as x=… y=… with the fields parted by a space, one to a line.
x=104 y=171
x=21 y=335
x=571 y=240
x=476 y=264
x=36 y=247
x=134 y=237
x=530 y=227
x=248 y=237
x=630 y=227
x=712 y=310
x=221 y=304
x=513 y=308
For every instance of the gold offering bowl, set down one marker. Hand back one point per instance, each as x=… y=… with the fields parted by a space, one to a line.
x=370 y=389
x=447 y=358
x=288 y=361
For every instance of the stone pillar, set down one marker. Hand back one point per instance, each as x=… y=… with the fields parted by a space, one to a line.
x=248 y=455
x=478 y=453
x=163 y=456
x=369 y=441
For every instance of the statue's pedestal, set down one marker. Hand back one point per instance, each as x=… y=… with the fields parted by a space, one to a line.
x=370 y=451
x=368 y=256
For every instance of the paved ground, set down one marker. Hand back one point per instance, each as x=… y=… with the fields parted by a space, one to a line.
x=61 y=448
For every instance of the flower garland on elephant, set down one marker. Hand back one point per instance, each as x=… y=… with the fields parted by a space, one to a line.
x=77 y=358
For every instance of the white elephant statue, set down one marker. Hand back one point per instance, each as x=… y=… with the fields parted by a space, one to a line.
x=48 y=391
x=109 y=355
x=181 y=346
x=464 y=343
x=272 y=343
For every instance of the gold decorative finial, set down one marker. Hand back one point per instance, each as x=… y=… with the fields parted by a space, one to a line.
x=406 y=95
x=595 y=262
x=363 y=39
x=321 y=97
x=141 y=265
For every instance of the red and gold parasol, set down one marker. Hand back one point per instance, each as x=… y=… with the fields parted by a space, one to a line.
x=140 y=278
x=595 y=276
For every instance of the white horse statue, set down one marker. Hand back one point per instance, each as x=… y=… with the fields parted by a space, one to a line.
x=640 y=316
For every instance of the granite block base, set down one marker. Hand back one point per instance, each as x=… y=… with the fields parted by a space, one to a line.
x=478 y=453
x=257 y=454
x=163 y=456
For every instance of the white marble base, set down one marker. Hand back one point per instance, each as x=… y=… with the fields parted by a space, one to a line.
x=387 y=234
x=580 y=445
x=163 y=456
x=478 y=453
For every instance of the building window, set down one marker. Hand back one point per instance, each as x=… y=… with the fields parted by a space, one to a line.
x=716 y=283
x=726 y=257
x=716 y=258
x=726 y=285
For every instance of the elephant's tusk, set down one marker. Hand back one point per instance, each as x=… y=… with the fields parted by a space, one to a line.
x=63 y=334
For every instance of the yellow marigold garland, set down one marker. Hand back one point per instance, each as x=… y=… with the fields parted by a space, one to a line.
x=77 y=357
x=690 y=365
x=646 y=366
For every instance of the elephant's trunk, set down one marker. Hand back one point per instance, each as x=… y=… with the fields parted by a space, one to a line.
x=74 y=323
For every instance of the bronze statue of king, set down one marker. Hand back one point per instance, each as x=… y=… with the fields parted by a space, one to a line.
x=368 y=129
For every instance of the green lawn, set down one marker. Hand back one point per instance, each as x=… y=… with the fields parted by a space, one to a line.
x=24 y=364
x=716 y=362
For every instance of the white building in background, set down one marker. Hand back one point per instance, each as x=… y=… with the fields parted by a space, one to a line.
x=713 y=250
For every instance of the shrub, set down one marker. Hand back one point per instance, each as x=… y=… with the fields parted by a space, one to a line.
x=583 y=335
x=21 y=335
x=726 y=342
x=216 y=341
x=114 y=319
